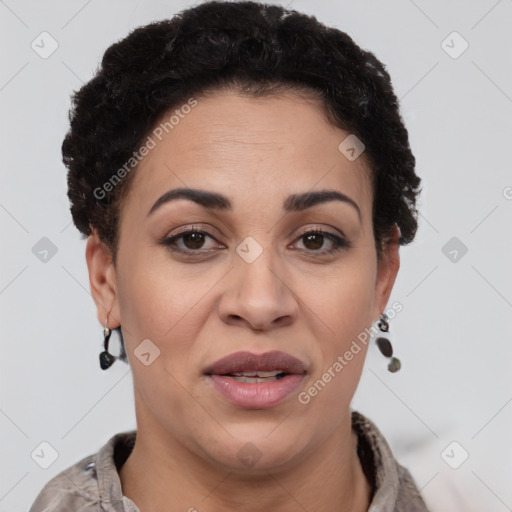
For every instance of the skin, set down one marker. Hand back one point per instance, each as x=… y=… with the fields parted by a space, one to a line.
x=198 y=309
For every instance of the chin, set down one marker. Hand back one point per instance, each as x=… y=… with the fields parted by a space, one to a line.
x=258 y=450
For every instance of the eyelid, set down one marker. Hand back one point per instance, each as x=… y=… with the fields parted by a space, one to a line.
x=321 y=227
x=200 y=229
x=340 y=242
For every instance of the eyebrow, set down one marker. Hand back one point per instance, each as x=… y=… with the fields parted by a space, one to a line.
x=216 y=201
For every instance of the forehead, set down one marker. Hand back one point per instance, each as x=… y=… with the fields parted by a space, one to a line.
x=254 y=150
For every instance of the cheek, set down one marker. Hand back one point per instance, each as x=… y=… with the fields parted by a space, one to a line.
x=344 y=306
x=159 y=304
x=155 y=300
x=156 y=305
x=342 y=319
x=341 y=357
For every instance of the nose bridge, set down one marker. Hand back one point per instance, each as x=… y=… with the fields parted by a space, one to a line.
x=258 y=265
x=258 y=291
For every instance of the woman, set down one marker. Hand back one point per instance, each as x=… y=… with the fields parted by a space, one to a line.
x=244 y=180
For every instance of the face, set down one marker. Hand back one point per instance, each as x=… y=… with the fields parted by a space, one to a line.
x=257 y=270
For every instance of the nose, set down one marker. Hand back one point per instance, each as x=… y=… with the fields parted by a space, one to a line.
x=259 y=295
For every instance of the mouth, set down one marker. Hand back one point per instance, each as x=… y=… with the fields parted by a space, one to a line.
x=256 y=381
x=255 y=377
x=269 y=366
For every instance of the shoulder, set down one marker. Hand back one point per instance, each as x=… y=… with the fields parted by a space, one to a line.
x=91 y=484
x=393 y=487
x=409 y=498
x=75 y=488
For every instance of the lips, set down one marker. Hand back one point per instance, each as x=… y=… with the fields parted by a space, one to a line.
x=256 y=381
x=249 y=363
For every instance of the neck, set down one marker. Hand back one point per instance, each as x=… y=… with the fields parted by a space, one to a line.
x=162 y=475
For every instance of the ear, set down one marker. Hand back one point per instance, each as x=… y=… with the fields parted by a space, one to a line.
x=387 y=270
x=102 y=280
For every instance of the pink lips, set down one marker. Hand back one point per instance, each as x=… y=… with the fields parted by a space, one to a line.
x=256 y=395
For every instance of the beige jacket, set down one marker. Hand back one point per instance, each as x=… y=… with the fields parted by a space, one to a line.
x=93 y=484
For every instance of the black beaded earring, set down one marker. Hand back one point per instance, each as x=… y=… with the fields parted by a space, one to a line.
x=385 y=346
x=106 y=358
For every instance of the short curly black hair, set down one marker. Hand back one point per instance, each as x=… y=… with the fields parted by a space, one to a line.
x=253 y=48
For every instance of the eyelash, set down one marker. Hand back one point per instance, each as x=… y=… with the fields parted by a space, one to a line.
x=338 y=242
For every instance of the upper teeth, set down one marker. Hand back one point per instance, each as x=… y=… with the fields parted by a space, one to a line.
x=257 y=374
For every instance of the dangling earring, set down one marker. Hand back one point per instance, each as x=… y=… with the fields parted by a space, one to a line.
x=385 y=346
x=106 y=358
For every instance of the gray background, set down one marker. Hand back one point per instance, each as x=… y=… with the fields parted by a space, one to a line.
x=453 y=335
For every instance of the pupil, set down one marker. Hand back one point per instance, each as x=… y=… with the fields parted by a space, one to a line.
x=196 y=244
x=309 y=237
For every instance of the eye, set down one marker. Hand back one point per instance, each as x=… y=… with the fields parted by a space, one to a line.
x=315 y=239
x=192 y=242
x=189 y=241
